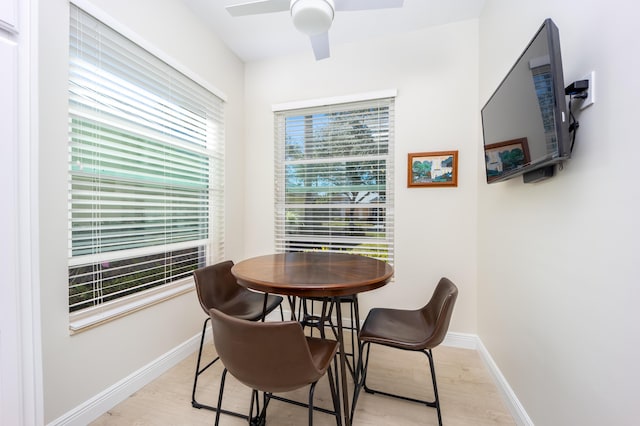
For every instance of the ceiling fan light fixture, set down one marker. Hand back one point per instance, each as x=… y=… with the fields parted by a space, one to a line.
x=312 y=17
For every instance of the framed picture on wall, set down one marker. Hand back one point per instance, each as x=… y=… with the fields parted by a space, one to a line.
x=438 y=168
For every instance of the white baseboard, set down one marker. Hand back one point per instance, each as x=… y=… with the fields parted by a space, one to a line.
x=109 y=398
x=112 y=396
x=461 y=340
x=511 y=400
x=472 y=342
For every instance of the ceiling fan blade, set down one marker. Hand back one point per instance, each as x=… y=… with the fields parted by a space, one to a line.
x=347 y=5
x=258 y=7
x=320 y=44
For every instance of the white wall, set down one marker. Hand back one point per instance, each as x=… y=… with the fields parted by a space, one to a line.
x=78 y=367
x=435 y=72
x=558 y=292
x=546 y=282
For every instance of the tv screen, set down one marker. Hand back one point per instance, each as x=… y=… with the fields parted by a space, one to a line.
x=525 y=123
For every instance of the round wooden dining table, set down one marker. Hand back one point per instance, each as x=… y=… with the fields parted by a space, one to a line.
x=316 y=274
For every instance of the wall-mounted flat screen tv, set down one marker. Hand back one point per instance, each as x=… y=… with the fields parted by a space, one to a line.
x=525 y=123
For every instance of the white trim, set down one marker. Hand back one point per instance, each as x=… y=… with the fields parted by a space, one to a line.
x=461 y=340
x=112 y=396
x=511 y=400
x=21 y=300
x=101 y=15
x=358 y=97
x=471 y=342
x=29 y=267
x=10 y=278
x=104 y=401
x=90 y=317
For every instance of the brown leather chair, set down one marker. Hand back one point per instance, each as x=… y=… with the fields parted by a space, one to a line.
x=272 y=357
x=217 y=288
x=412 y=330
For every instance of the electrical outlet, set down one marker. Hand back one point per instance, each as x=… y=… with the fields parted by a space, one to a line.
x=591 y=91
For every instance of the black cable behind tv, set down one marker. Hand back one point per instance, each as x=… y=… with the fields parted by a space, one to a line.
x=576 y=90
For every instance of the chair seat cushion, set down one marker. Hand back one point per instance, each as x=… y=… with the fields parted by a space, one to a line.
x=248 y=305
x=404 y=329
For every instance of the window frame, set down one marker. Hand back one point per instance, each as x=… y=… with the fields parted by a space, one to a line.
x=331 y=105
x=105 y=311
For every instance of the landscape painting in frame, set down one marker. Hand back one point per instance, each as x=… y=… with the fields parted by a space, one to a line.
x=433 y=169
x=503 y=157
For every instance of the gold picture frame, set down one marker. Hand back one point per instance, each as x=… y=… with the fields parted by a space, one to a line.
x=439 y=168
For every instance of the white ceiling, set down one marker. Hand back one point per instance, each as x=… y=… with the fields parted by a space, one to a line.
x=269 y=35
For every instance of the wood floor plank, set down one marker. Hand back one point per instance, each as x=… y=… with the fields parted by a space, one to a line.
x=468 y=395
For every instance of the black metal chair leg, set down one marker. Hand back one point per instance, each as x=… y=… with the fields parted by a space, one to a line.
x=362 y=370
x=195 y=378
x=312 y=388
x=219 y=407
x=260 y=416
x=199 y=371
x=264 y=308
x=434 y=404
x=355 y=332
x=194 y=402
x=435 y=385
x=260 y=419
x=218 y=410
x=335 y=396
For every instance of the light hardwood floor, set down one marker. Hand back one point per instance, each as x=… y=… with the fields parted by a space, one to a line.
x=468 y=395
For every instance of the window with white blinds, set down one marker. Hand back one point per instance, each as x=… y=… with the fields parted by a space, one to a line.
x=334 y=178
x=146 y=169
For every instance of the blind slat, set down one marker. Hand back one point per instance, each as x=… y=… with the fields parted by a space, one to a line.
x=334 y=178
x=146 y=168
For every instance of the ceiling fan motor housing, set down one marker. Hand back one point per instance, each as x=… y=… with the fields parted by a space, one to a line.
x=312 y=17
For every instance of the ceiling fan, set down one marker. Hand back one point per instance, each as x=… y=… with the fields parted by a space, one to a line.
x=311 y=17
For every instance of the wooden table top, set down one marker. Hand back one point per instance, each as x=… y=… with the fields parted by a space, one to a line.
x=312 y=274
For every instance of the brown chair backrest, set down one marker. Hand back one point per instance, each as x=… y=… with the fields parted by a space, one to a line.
x=216 y=285
x=438 y=311
x=266 y=356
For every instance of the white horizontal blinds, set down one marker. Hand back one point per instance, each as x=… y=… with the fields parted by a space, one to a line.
x=334 y=178
x=146 y=158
